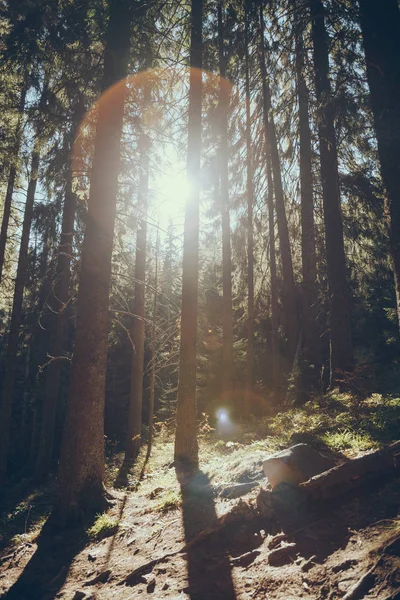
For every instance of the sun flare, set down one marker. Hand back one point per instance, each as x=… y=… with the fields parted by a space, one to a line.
x=172 y=190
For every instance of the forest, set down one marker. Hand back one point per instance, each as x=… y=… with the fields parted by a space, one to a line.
x=200 y=299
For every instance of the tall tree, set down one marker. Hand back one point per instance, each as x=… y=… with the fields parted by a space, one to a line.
x=308 y=254
x=227 y=316
x=16 y=318
x=153 y=352
x=12 y=176
x=59 y=305
x=186 y=445
x=271 y=216
x=250 y=237
x=80 y=485
x=134 y=436
x=380 y=25
x=289 y=288
x=341 y=349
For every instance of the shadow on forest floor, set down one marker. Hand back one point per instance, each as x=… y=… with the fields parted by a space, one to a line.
x=23 y=510
x=198 y=513
x=46 y=572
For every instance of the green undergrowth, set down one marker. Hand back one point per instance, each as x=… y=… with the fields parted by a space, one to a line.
x=104 y=526
x=341 y=423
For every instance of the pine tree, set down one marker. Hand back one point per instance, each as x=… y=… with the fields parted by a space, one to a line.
x=186 y=445
x=227 y=317
x=380 y=25
x=341 y=349
x=80 y=485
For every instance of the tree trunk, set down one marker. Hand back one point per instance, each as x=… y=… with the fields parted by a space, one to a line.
x=380 y=25
x=343 y=478
x=227 y=317
x=16 y=321
x=341 y=352
x=11 y=179
x=153 y=354
x=308 y=255
x=80 y=486
x=250 y=241
x=186 y=445
x=59 y=304
x=289 y=288
x=271 y=221
x=134 y=436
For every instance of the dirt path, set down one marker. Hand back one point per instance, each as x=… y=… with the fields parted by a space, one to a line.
x=320 y=556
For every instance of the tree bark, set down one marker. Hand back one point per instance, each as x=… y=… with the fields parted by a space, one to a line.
x=227 y=317
x=341 y=351
x=16 y=321
x=134 y=436
x=80 y=487
x=289 y=288
x=380 y=26
x=186 y=445
x=271 y=220
x=250 y=238
x=353 y=473
x=308 y=255
x=11 y=179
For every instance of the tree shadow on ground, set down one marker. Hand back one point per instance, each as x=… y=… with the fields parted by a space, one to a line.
x=128 y=466
x=45 y=573
x=209 y=570
x=24 y=507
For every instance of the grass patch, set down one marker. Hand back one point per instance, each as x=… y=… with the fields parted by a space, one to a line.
x=170 y=501
x=103 y=527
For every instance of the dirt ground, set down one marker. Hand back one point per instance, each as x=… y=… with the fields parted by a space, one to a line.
x=154 y=550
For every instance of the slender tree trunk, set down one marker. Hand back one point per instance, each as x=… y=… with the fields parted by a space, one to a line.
x=186 y=445
x=134 y=436
x=250 y=241
x=380 y=25
x=341 y=358
x=289 y=288
x=80 y=486
x=16 y=321
x=227 y=317
x=11 y=179
x=59 y=304
x=308 y=255
x=153 y=354
x=271 y=222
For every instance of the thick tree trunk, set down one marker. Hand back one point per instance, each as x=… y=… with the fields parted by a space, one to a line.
x=16 y=321
x=380 y=25
x=308 y=255
x=186 y=445
x=289 y=288
x=80 y=486
x=341 y=358
x=250 y=238
x=59 y=304
x=227 y=317
x=134 y=436
x=11 y=179
x=271 y=221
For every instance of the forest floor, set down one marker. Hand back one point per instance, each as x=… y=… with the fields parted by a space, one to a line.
x=148 y=543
